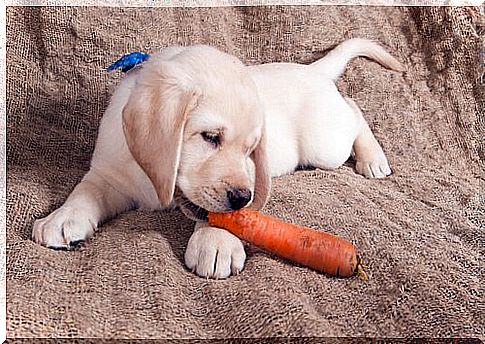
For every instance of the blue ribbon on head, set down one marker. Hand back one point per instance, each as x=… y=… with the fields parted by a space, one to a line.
x=128 y=61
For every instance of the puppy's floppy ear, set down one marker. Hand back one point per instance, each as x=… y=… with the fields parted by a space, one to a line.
x=262 y=183
x=154 y=120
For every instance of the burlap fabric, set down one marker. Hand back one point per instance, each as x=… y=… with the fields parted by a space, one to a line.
x=420 y=230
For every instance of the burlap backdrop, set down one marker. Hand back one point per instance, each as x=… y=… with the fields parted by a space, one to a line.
x=419 y=229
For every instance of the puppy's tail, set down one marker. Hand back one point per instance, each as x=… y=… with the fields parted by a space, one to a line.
x=333 y=64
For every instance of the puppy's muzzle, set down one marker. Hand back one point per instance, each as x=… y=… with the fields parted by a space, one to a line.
x=238 y=197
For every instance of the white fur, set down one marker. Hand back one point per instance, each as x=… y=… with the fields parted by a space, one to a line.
x=306 y=122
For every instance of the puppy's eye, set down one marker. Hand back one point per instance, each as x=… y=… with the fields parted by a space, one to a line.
x=212 y=138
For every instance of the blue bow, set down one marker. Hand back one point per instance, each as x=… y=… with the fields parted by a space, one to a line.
x=128 y=61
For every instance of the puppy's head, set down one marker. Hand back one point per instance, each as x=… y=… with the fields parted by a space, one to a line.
x=194 y=123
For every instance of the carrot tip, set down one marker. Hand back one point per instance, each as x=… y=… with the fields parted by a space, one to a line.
x=361 y=273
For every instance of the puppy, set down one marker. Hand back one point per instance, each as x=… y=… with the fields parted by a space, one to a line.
x=195 y=127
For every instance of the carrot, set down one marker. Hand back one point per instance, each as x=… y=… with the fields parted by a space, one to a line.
x=318 y=250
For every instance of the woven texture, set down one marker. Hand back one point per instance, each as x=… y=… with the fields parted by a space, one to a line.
x=420 y=230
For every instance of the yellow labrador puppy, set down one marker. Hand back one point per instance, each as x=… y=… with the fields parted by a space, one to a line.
x=195 y=126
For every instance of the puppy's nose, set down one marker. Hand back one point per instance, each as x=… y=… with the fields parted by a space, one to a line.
x=238 y=197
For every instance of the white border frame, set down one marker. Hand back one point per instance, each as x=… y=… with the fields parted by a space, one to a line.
x=226 y=3
x=139 y=3
x=3 y=171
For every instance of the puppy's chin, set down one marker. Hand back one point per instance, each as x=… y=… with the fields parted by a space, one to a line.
x=193 y=211
x=190 y=209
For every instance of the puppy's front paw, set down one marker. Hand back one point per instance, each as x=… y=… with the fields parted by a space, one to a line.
x=63 y=228
x=214 y=253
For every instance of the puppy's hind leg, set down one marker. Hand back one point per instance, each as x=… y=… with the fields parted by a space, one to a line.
x=371 y=161
x=93 y=200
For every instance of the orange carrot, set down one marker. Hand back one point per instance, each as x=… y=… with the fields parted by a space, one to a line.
x=315 y=249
